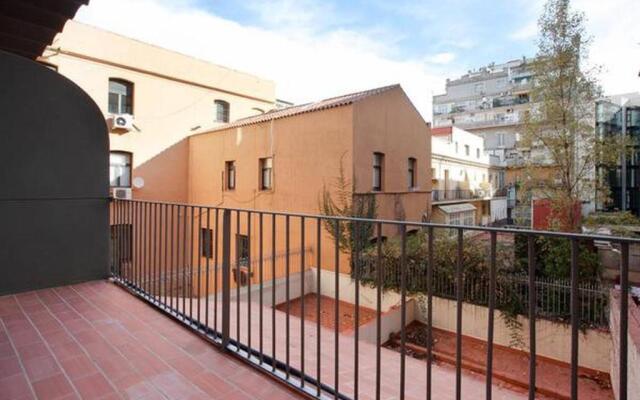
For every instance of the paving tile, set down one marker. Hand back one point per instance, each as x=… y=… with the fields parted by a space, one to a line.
x=38 y=349
x=9 y=366
x=93 y=386
x=41 y=367
x=53 y=388
x=14 y=387
x=78 y=367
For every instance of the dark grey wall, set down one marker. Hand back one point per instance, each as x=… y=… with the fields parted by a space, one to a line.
x=54 y=151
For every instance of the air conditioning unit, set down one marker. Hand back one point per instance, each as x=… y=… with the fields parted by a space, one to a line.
x=121 y=122
x=122 y=193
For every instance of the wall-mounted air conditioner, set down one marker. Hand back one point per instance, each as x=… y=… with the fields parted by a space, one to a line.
x=122 y=193
x=121 y=123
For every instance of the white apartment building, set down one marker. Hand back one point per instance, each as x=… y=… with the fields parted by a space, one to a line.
x=465 y=179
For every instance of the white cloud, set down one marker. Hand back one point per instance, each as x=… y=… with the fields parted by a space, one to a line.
x=441 y=58
x=305 y=66
x=526 y=32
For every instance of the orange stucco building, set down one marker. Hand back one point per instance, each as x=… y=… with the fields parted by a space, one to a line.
x=376 y=137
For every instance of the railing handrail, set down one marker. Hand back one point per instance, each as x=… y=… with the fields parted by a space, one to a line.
x=532 y=232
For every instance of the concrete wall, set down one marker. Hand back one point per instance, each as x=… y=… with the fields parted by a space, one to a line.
x=553 y=339
x=54 y=179
x=633 y=354
x=173 y=95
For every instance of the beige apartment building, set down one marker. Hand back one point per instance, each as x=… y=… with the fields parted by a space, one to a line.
x=152 y=98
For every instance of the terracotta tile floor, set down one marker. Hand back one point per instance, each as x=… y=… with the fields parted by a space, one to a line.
x=96 y=341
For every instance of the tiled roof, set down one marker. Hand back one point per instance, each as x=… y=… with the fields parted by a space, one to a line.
x=305 y=108
x=441 y=131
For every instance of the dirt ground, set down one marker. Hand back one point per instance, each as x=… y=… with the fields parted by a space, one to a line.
x=510 y=365
x=346 y=312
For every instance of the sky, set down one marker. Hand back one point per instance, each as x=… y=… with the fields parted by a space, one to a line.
x=313 y=49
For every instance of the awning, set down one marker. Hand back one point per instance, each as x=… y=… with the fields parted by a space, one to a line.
x=456 y=208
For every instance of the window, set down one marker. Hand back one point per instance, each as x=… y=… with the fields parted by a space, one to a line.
x=120 y=96
x=478 y=153
x=206 y=243
x=500 y=139
x=222 y=111
x=411 y=173
x=230 y=170
x=378 y=170
x=456 y=147
x=478 y=87
x=466 y=149
x=266 y=173
x=242 y=249
x=120 y=169
x=462 y=218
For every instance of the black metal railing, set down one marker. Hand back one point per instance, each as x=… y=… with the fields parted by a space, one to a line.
x=454 y=194
x=154 y=242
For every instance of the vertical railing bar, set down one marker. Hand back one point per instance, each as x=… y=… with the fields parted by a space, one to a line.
x=191 y=263
x=208 y=253
x=116 y=237
x=379 y=274
x=184 y=260
x=139 y=257
x=198 y=233
x=302 y=299
x=166 y=251
x=403 y=308
x=492 y=305
x=249 y=278
x=288 y=300
x=261 y=266
x=171 y=258
x=575 y=319
x=459 y=293
x=356 y=336
x=147 y=244
x=532 y=317
x=226 y=277
x=318 y=299
x=156 y=247
x=624 y=320
x=336 y=336
x=273 y=290
x=215 y=271
x=237 y=276
x=430 y=312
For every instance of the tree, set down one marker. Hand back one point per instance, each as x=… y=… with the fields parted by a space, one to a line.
x=559 y=129
x=339 y=201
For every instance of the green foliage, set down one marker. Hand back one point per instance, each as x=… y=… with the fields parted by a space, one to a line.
x=611 y=218
x=340 y=201
x=558 y=130
x=553 y=258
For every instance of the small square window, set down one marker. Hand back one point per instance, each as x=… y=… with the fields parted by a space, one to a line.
x=206 y=243
x=378 y=171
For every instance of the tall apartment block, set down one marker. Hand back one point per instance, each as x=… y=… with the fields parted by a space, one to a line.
x=490 y=102
x=620 y=115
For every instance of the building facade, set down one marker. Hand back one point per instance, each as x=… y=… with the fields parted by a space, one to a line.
x=151 y=99
x=287 y=159
x=468 y=182
x=619 y=115
x=491 y=102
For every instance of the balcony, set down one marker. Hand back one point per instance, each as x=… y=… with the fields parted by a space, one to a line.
x=263 y=321
x=439 y=196
x=172 y=322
